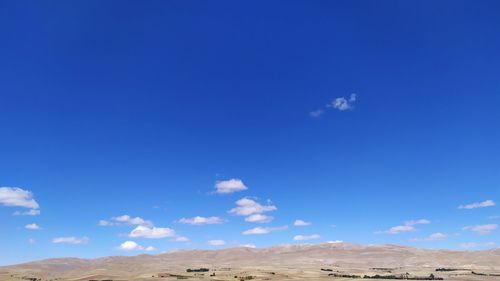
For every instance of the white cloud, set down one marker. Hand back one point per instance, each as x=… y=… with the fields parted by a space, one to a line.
x=32 y=212
x=126 y=220
x=408 y=226
x=201 y=220
x=216 y=242
x=484 y=204
x=438 y=236
x=181 y=239
x=32 y=226
x=259 y=218
x=469 y=245
x=70 y=240
x=316 y=113
x=133 y=246
x=249 y=246
x=31 y=241
x=229 y=186
x=152 y=232
x=301 y=223
x=416 y=222
x=246 y=207
x=335 y=242
x=343 y=103
x=263 y=230
x=17 y=197
x=306 y=237
x=482 y=229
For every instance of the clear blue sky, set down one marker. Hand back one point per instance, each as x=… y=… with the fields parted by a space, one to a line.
x=112 y=108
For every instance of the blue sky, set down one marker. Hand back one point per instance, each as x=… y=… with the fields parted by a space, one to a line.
x=372 y=122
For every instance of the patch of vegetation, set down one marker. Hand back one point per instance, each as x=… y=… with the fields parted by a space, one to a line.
x=202 y=269
x=402 y=277
x=447 y=269
x=344 y=275
x=326 y=269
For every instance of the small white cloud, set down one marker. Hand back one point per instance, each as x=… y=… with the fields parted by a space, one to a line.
x=17 y=197
x=263 y=230
x=133 y=246
x=301 y=223
x=32 y=212
x=408 y=226
x=32 y=226
x=246 y=207
x=152 y=232
x=438 y=236
x=416 y=222
x=201 y=220
x=259 y=218
x=335 y=242
x=482 y=229
x=306 y=237
x=343 y=103
x=31 y=241
x=216 y=242
x=70 y=240
x=470 y=245
x=181 y=239
x=229 y=186
x=126 y=220
x=249 y=246
x=484 y=204
x=316 y=113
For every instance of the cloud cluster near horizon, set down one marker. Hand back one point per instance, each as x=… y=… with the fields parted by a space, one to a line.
x=340 y=104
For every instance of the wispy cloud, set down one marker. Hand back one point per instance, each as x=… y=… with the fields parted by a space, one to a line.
x=32 y=226
x=471 y=245
x=152 y=232
x=306 y=237
x=263 y=230
x=246 y=207
x=32 y=212
x=259 y=218
x=229 y=186
x=484 y=204
x=482 y=229
x=17 y=197
x=301 y=223
x=70 y=240
x=408 y=226
x=438 y=236
x=216 y=242
x=198 y=220
x=133 y=246
x=125 y=220
x=340 y=104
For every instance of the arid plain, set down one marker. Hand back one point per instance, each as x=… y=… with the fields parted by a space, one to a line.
x=336 y=261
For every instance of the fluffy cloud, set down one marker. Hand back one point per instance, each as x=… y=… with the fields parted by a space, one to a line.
x=70 y=240
x=126 y=220
x=482 y=229
x=133 y=246
x=301 y=223
x=32 y=226
x=252 y=246
x=335 y=242
x=201 y=220
x=17 y=197
x=263 y=230
x=484 y=204
x=32 y=212
x=216 y=242
x=259 y=218
x=246 y=207
x=152 y=232
x=408 y=226
x=180 y=239
x=438 y=236
x=229 y=186
x=306 y=237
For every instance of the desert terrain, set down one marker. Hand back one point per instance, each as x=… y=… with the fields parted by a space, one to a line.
x=337 y=261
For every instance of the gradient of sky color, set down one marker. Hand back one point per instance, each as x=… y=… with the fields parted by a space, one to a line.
x=360 y=121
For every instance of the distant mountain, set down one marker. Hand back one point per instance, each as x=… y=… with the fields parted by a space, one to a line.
x=334 y=255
